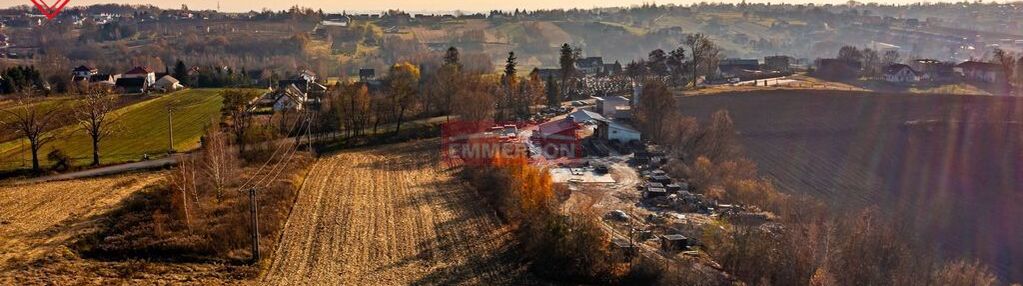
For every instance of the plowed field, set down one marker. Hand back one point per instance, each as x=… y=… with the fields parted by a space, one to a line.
x=391 y=216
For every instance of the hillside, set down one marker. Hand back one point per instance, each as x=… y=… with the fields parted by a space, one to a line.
x=950 y=162
x=143 y=131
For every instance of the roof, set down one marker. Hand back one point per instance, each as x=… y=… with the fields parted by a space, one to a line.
x=974 y=65
x=140 y=70
x=582 y=115
x=622 y=126
x=558 y=126
x=84 y=68
x=617 y=98
x=167 y=80
x=367 y=72
x=896 y=68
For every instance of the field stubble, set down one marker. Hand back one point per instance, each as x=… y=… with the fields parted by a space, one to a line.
x=391 y=216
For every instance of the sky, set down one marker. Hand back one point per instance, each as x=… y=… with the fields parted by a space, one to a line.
x=407 y=5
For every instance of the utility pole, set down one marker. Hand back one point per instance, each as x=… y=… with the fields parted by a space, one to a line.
x=254 y=213
x=170 y=129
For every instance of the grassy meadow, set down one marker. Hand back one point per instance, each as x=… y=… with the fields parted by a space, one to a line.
x=142 y=130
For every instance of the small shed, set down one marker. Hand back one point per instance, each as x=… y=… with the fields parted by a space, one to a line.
x=623 y=250
x=674 y=243
x=663 y=179
x=655 y=192
x=168 y=84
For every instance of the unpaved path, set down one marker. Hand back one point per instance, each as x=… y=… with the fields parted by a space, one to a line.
x=391 y=216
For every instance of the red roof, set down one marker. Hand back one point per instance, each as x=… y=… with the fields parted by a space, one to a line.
x=557 y=127
x=140 y=70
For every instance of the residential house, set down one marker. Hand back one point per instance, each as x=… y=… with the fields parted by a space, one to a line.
x=613 y=69
x=933 y=70
x=168 y=84
x=981 y=71
x=281 y=99
x=590 y=65
x=83 y=73
x=558 y=138
x=145 y=73
x=615 y=130
x=900 y=73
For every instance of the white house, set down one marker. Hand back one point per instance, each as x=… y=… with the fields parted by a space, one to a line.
x=288 y=98
x=900 y=73
x=83 y=73
x=617 y=130
x=141 y=72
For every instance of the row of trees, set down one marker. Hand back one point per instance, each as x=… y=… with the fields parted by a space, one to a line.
x=410 y=92
x=675 y=67
x=40 y=124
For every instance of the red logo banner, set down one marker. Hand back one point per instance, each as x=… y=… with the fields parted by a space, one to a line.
x=50 y=10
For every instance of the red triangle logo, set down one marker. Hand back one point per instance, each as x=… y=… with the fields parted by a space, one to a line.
x=50 y=10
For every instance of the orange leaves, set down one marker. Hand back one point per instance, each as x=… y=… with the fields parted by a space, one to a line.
x=530 y=186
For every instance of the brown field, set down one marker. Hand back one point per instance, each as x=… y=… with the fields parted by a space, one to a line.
x=953 y=164
x=35 y=219
x=391 y=216
x=40 y=222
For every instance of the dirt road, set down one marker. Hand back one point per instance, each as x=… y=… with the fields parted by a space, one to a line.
x=391 y=216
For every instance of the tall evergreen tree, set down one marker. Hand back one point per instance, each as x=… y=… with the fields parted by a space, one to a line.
x=180 y=71
x=567 y=62
x=509 y=67
x=553 y=99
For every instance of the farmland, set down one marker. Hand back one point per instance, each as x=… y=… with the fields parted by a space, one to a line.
x=143 y=130
x=390 y=215
x=948 y=162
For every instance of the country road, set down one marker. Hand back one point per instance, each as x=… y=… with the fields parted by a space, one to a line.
x=390 y=216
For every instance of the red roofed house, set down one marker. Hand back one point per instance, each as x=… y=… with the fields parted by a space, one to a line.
x=142 y=72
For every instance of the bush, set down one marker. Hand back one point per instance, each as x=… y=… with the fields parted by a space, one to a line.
x=61 y=161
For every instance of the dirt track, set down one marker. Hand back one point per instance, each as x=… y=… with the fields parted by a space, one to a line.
x=390 y=216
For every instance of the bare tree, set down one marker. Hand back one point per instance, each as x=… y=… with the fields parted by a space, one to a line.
x=704 y=55
x=219 y=163
x=33 y=122
x=96 y=118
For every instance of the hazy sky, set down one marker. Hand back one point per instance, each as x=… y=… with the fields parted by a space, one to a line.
x=408 y=5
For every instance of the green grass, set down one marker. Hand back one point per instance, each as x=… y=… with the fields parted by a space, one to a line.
x=143 y=131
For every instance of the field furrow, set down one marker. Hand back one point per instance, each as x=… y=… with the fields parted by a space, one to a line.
x=390 y=216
